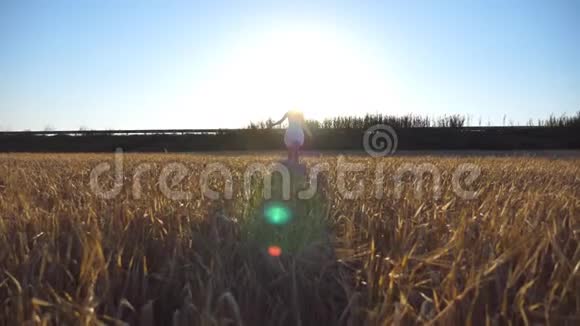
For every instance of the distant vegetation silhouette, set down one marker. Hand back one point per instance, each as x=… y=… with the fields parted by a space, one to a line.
x=334 y=134
x=562 y=121
x=416 y=121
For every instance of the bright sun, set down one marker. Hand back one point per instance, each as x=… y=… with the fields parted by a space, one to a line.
x=308 y=69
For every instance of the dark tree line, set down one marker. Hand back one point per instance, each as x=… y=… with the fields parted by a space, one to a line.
x=562 y=121
x=414 y=121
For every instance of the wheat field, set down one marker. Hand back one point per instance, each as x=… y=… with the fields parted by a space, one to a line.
x=508 y=254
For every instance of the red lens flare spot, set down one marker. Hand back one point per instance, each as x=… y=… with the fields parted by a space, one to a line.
x=274 y=251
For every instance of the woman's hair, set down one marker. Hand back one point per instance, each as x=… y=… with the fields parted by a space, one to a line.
x=295 y=115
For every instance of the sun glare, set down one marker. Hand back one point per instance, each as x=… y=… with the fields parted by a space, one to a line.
x=315 y=71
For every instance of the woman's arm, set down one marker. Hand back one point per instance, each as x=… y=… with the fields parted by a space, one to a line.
x=279 y=121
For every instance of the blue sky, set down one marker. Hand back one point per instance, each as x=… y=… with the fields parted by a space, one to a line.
x=184 y=64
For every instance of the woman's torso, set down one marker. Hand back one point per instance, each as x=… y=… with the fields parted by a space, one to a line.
x=294 y=134
x=295 y=120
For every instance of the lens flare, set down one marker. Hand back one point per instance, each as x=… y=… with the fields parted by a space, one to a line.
x=277 y=214
x=274 y=251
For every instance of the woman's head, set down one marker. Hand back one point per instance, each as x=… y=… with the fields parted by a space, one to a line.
x=295 y=115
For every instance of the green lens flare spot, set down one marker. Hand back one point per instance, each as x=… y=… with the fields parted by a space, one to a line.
x=277 y=214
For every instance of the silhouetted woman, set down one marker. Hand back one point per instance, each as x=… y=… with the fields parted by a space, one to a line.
x=294 y=137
